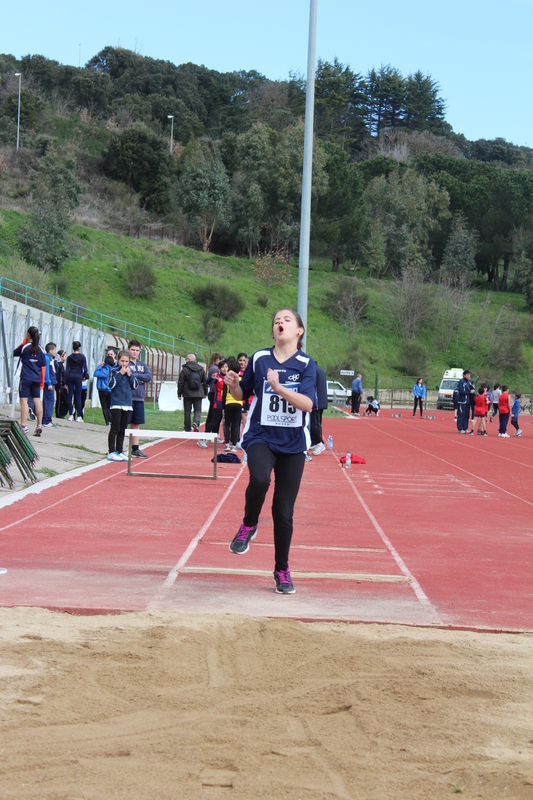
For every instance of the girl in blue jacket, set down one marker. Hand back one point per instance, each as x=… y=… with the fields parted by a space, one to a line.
x=419 y=393
x=32 y=361
x=121 y=382
x=101 y=373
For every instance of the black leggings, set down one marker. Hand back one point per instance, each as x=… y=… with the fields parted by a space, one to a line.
x=417 y=401
x=119 y=423
x=213 y=423
x=288 y=469
x=105 y=400
x=232 y=423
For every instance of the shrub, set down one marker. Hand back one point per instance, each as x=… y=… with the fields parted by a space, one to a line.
x=141 y=279
x=262 y=300
x=16 y=269
x=59 y=284
x=272 y=267
x=219 y=299
x=348 y=302
x=212 y=327
x=413 y=358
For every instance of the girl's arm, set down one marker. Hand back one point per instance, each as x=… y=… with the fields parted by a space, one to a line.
x=232 y=381
x=300 y=401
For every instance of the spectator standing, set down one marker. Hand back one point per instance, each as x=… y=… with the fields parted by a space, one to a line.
x=480 y=405
x=32 y=361
x=504 y=411
x=101 y=373
x=76 y=372
x=122 y=383
x=515 y=411
x=50 y=382
x=465 y=389
x=319 y=405
x=495 y=400
x=357 y=394
x=192 y=386
x=61 y=388
x=212 y=372
x=213 y=425
x=419 y=393
x=143 y=374
x=232 y=412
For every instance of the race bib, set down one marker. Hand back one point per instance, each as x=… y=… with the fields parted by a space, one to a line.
x=277 y=411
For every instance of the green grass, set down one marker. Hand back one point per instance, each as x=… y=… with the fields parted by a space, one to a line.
x=81 y=447
x=95 y=276
x=50 y=473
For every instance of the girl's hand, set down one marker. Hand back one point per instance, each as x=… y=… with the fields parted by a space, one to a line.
x=124 y=370
x=128 y=372
x=273 y=379
x=231 y=379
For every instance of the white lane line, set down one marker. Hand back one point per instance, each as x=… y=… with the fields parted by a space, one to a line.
x=455 y=466
x=173 y=574
x=57 y=479
x=419 y=592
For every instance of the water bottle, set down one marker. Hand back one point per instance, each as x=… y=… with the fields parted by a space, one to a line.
x=348 y=461
x=245 y=458
x=330 y=442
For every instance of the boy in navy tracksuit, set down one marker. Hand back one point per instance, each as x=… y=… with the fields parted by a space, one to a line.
x=465 y=389
x=50 y=382
x=144 y=376
x=122 y=383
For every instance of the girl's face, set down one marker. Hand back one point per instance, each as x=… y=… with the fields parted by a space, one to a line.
x=243 y=361
x=64 y=356
x=123 y=361
x=224 y=369
x=285 y=328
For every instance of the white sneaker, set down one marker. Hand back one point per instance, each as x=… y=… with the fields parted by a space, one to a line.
x=79 y=419
x=505 y=436
x=227 y=448
x=122 y=456
x=319 y=448
x=202 y=443
x=71 y=418
x=114 y=457
x=518 y=433
x=308 y=457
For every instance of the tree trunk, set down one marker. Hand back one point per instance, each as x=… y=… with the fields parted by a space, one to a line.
x=506 y=262
x=496 y=273
x=250 y=249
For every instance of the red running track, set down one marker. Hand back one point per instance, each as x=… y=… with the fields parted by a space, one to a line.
x=435 y=529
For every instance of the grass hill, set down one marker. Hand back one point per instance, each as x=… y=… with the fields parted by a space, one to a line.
x=495 y=339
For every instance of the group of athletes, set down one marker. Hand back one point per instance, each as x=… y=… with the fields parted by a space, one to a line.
x=484 y=405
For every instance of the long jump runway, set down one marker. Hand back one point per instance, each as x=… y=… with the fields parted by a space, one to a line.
x=435 y=529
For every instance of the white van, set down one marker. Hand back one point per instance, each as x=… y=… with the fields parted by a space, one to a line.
x=449 y=382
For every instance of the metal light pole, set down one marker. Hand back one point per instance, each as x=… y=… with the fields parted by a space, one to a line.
x=307 y=180
x=171 y=117
x=18 y=75
x=80 y=57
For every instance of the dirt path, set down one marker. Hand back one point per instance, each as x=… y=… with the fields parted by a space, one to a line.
x=155 y=705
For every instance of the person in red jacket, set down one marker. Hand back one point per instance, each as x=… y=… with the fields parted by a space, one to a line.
x=480 y=411
x=504 y=412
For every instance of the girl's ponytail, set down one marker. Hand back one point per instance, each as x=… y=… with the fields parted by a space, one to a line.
x=34 y=336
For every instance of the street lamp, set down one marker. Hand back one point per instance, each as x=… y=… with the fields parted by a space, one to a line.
x=171 y=117
x=18 y=75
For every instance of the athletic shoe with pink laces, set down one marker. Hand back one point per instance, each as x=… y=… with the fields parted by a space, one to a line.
x=241 y=543
x=283 y=581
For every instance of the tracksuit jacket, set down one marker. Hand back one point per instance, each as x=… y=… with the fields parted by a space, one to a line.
x=32 y=363
x=464 y=388
x=143 y=375
x=121 y=387
x=419 y=391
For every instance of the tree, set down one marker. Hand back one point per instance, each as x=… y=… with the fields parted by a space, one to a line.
x=55 y=189
x=31 y=108
x=203 y=191
x=410 y=210
x=340 y=105
x=407 y=304
x=141 y=159
x=459 y=261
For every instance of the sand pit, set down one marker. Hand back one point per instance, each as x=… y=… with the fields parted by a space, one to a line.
x=183 y=706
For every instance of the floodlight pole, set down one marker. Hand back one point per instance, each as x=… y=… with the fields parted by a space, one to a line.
x=307 y=179
x=171 y=118
x=18 y=75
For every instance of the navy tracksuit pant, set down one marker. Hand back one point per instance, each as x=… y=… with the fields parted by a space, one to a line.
x=463 y=415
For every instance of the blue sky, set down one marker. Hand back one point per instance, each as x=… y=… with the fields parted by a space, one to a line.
x=478 y=50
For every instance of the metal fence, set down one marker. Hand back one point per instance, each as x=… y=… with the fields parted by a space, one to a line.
x=80 y=315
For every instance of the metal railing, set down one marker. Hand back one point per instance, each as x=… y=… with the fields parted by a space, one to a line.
x=45 y=301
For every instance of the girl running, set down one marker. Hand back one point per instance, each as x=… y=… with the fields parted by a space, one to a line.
x=276 y=437
x=33 y=360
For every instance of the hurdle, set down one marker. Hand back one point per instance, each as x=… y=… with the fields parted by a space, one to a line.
x=171 y=435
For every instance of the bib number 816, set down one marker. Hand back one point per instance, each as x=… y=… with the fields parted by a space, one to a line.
x=276 y=401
